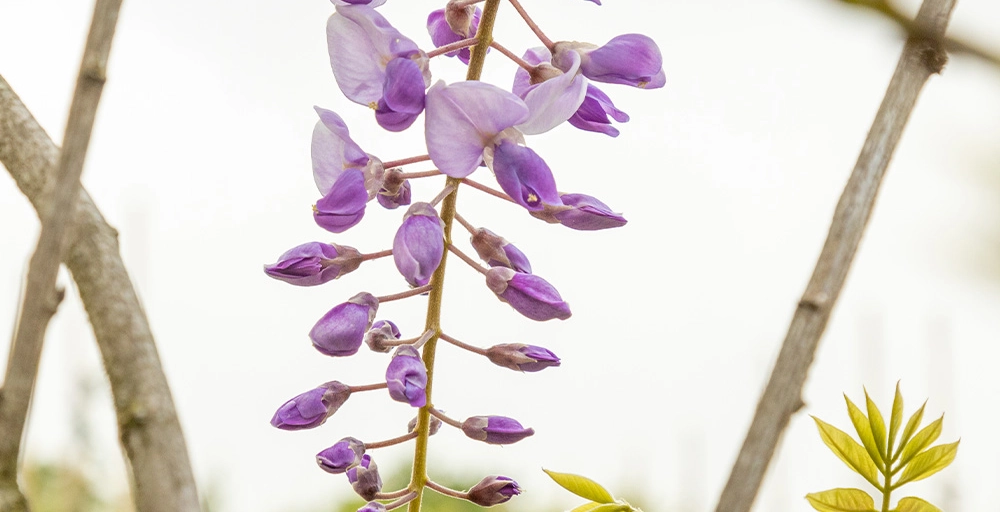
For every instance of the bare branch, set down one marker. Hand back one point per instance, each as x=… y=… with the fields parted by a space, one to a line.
x=782 y=396
x=148 y=426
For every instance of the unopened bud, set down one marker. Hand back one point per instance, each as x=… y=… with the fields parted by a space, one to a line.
x=493 y=490
x=365 y=479
x=342 y=456
x=528 y=294
x=495 y=429
x=434 y=427
x=341 y=331
x=382 y=331
x=406 y=377
x=497 y=252
x=521 y=357
x=312 y=408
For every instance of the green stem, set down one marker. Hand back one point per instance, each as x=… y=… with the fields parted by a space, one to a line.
x=887 y=488
x=418 y=479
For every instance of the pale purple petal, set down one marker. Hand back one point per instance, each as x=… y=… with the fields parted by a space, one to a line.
x=464 y=117
x=344 y=205
x=554 y=100
x=524 y=176
x=630 y=59
x=376 y=3
x=404 y=86
x=522 y=79
x=333 y=150
x=596 y=112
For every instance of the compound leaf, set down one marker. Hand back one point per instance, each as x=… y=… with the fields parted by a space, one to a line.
x=878 y=426
x=841 y=500
x=849 y=451
x=864 y=429
x=915 y=505
x=928 y=463
x=922 y=440
x=895 y=421
x=582 y=487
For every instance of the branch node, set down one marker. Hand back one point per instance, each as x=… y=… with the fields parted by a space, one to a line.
x=816 y=301
x=932 y=54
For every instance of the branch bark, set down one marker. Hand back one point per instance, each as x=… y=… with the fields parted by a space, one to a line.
x=148 y=426
x=782 y=397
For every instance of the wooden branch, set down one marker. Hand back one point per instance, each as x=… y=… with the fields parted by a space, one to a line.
x=782 y=396
x=148 y=426
x=36 y=310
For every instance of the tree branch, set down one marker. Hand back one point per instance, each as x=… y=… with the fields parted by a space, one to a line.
x=148 y=426
x=782 y=396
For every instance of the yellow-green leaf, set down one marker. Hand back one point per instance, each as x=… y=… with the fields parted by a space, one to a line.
x=929 y=462
x=864 y=429
x=841 y=500
x=878 y=426
x=586 y=507
x=915 y=505
x=582 y=487
x=922 y=440
x=896 y=420
x=612 y=507
x=849 y=451
x=911 y=427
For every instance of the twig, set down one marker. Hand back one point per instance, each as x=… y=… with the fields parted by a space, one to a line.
x=148 y=426
x=915 y=29
x=37 y=308
x=783 y=394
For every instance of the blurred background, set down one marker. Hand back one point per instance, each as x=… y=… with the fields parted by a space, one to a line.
x=728 y=176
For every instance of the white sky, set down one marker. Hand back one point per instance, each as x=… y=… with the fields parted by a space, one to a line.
x=728 y=176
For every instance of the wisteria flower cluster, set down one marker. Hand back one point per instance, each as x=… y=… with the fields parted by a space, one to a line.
x=468 y=125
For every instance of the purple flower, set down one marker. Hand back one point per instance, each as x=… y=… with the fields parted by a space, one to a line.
x=521 y=357
x=630 y=59
x=464 y=118
x=407 y=377
x=364 y=478
x=314 y=263
x=312 y=408
x=343 y=455
x=495 y=429
x=497 y=252
x=552 y=95
x=493 y=490
x=593 y=114
x=344 y=206
x=587 y=213
x=342 y=329
x=375 y=65
x=449 y=25
x=333 y=151
x=419 y=244
x=523 y=175
x=528 y=294
x=395 y=190
x=371 y=3
x=372 y=506
x=381 y=332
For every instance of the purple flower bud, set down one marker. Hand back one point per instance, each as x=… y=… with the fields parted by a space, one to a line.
x=364 y=478
x=525 y=358
x=342 y=329
x=493 y=490
x=523 y=175
x=593 y=113
x=403 y=98
x=343 y=455
x=495 y=429
x=528 y=294
x=630 y=59
x=434 y=427
x=419 y=244
x=314 y=263
x=372 y=506
x=344 y=206
x=497 y=252
x=395 y=190
x=381 y=332
x=450 y=25
x=407 y=377
x=587 y=213
x=312 y=408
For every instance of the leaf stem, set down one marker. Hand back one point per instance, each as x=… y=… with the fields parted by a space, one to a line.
x=512 y=56
x=408 y=293
x=457 y=45
x=466 y=258
x=466 y=346
x=531 y=24
x=488 y=190
x=389 y=442
x=403 y=161
x=418 y=478
x=376 y=255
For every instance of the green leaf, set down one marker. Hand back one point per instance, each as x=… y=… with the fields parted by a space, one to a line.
x=864 y=429
x=922 y=440
x=604 y=507
x=915 y=505
x=842 y=500
x=896 y=420
x=849 y=451
x=878 y=426
x=929 y=462
x=911 y=426
x=582 y=487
